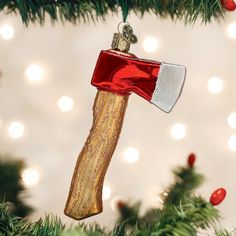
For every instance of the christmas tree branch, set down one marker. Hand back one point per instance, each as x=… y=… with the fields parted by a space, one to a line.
x=50 y=226
x=183 y=213
x=187 y=180
x=186 y=218
x=224 y=232
x=77 y=10
x=12 y=187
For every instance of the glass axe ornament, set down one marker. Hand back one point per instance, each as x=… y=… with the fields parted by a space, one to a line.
x=117 y=74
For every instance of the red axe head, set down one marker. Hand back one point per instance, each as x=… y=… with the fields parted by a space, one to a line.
x=158 y=82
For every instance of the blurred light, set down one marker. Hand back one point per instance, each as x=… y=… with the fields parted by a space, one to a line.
x=7 y=32
x=115 y=203
x=231 y=30
x=232 y=120
x=16 y=130
x=160 y=200
x=65 y=104
x=34 y=72
x=165 y=194
x=178 y=131
x=106 y=192
x=131 y=155
x=162 y=196
x=232 y=143
x=150 y=44
x=30 y=177
x=215 y=85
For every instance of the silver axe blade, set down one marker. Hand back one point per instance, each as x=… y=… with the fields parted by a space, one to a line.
x=169 y=85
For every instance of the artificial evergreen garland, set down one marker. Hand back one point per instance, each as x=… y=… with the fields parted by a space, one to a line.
x=77 y=10
x=11 y=186
x=182 y=214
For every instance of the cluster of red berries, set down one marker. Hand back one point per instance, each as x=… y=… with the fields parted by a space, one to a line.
x=219 y=194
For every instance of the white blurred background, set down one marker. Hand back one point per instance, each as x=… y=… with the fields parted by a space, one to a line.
x=46 y=109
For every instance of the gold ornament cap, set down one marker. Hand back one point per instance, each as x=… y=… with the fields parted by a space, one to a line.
x=122 y=41
x=119 y=43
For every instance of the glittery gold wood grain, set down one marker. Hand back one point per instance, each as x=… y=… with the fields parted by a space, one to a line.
x=85 y=196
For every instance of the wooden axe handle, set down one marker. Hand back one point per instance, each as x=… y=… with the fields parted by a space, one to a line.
x=85 y=196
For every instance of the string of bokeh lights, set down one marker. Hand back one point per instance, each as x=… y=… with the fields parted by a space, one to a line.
x=34 y=73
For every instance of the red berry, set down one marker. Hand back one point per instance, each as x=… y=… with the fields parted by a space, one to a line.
x=191 y=160
x=121 y=204
x=218 y=196
x=229 y=5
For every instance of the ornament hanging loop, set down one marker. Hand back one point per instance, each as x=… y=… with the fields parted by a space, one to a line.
x=119 y=26
x=124 y=38
x=127 y=32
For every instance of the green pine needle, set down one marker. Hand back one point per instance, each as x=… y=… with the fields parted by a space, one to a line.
x=50 y=225
x=12 y=188
x=187 y=180
x=224 y=232
x=85 y=10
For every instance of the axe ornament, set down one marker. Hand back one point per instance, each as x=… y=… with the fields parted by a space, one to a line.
x=116 y=75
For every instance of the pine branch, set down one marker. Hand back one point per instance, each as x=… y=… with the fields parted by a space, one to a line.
x=11 y=185
x=224 y=232
x=185 y=219
x=85 y=230
x=129 y=217
x=85 y=10
x=187 y=180
x=176 y=221
x=10 y=224
x=182 y=214
x=49 y=226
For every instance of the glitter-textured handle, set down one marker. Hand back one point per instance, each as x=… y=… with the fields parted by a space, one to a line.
x=85 y=196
